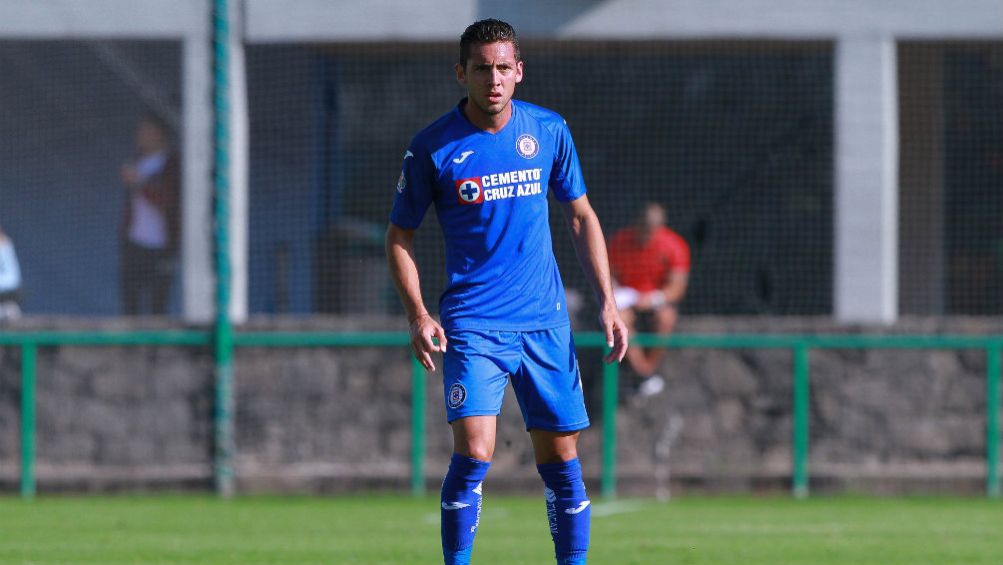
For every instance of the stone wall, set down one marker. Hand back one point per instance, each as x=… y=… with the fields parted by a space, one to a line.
x=333 y=419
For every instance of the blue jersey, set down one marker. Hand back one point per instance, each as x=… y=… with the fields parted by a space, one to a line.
x=490 y=194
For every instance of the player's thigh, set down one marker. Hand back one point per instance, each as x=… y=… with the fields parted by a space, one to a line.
x=548 y=384
x=476 y=368
x=629 y=317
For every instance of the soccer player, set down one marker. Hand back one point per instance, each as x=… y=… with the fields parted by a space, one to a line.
x=488 y=166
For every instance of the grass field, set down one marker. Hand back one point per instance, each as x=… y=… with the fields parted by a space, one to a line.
x=385 y=530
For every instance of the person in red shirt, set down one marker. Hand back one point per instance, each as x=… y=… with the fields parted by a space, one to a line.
x=651 y=265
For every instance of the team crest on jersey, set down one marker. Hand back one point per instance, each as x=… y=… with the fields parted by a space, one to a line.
x=527 y=146
x=457 y=395
x=469 y=191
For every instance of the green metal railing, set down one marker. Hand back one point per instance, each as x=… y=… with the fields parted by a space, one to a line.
x=800 y=347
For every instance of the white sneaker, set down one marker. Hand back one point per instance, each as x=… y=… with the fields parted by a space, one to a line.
x=651 y=385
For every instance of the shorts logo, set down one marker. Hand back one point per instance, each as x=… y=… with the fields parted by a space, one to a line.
x=457 y=395
x=469 y=191
x=527 y=146
x=401 y=183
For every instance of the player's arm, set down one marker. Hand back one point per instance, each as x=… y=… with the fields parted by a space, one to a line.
x=404 y=272
x=164 y=189
x=675 y=286
x=590 y=245
x=678 y=279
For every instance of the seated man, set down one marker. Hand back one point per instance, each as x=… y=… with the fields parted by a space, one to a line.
x=10 y=279
x=651 y=265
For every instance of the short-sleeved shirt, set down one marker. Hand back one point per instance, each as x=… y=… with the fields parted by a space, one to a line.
x=10 y=271
x=645 y=266
x=490 y=195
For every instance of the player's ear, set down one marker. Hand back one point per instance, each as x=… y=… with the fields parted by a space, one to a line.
x=461 y=74
x=518 y=71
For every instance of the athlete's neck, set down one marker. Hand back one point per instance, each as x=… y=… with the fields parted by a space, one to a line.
x=491 y=123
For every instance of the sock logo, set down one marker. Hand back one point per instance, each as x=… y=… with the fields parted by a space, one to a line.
x=551 y=498
x=480 y=504
x=453 y=505
x=582 y=506
x=477 y=489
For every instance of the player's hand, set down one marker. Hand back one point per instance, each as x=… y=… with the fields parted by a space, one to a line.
x=616 y=333
x=427 y=337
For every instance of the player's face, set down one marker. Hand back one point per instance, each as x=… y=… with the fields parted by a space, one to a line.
x=490 y=77
x=149 y=137
x=654 y=217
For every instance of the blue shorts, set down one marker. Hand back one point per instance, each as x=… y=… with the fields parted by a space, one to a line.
x=542 y=366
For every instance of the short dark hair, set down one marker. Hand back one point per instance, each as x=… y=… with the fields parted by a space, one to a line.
x=487 y=31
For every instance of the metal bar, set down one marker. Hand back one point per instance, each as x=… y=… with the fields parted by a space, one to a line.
x=417 y=428
x=102 y=338
x=321 y=339
x=29 y=353
x=993 y=369
x=223 y=412
x=583 y=339
x=787 y=341
x=610 y=383
x=799 y=456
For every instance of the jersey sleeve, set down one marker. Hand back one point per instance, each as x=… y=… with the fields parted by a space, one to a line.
x=566 y=175
x=414 y=189
x=679 y=252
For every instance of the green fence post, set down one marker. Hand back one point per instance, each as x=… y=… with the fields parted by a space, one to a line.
x=224 y=401
x=799 y=456
x=417 y=428
x=28 y=381
x=993 y=369
x=610 y=383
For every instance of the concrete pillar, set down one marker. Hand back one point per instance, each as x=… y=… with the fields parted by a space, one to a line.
x=239 y=167
x=921 y=206
x=196 y=201
x=866 y=254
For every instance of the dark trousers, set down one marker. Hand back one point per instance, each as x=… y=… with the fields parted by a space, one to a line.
x=145 y=274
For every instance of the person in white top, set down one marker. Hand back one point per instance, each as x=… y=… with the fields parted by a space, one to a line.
x=10 y=279
x=150 y=225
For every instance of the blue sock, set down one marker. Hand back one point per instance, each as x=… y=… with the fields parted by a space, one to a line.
x=568 y=510
x=461 y=507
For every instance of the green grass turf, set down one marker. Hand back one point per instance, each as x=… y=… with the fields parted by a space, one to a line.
x=385 y=530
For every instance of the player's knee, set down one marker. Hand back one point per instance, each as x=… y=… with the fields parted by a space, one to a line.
x=554 y=447
x=629 y=316
x=476 y=450
x=562 y=456
x=665 y=319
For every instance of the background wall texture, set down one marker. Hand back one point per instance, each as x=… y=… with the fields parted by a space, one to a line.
x=329 y=419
